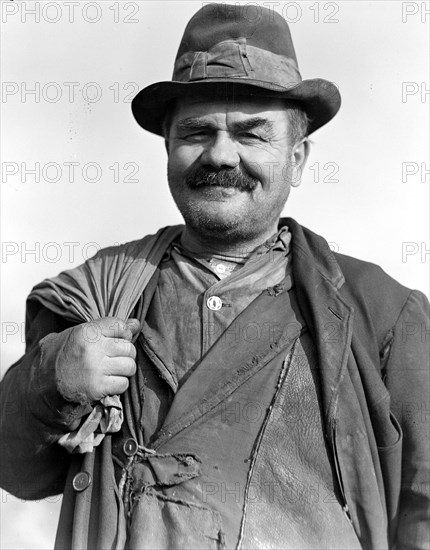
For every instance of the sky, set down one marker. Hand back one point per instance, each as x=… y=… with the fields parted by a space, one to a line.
x=78 y=173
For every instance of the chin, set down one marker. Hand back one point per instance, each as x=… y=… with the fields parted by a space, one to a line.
x=224 y=225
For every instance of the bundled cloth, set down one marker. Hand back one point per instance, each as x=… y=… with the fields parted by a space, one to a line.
x=107 y=285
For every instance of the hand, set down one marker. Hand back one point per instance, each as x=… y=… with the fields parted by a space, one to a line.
x=97 y=359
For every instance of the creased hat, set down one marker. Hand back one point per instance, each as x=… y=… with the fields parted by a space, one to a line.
x=229 y=50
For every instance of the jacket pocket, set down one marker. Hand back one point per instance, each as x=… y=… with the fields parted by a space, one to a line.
x=396 y=435
x=339 y=474
x=390 y=458
x=363 y=501
x=165 y=523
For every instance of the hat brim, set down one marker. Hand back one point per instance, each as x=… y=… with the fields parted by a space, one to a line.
x=320 y=98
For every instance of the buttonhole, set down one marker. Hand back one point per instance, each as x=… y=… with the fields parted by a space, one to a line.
x=335 y=313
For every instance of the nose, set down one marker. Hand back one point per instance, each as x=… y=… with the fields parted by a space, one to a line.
x=221 y=152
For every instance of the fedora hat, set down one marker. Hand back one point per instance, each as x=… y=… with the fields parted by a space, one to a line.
x=229 y=50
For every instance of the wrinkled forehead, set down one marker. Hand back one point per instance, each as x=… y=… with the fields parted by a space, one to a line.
x=202 y=105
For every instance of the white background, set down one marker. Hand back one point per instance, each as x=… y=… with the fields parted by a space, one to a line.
x=355 y=190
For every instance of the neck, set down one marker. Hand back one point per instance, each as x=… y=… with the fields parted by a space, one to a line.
x=198 y=243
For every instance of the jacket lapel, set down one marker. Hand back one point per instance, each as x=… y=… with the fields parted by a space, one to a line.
x=234 y=358
x=317 y=279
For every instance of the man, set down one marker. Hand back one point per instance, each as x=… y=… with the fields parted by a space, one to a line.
x=263 y=379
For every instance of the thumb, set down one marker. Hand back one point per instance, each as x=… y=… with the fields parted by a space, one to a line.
x=134 y=326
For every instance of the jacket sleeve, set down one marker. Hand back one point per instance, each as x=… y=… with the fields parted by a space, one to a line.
x=407 y=379
x=33 y=415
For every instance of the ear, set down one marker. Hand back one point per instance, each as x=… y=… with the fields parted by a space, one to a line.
x=300 y=155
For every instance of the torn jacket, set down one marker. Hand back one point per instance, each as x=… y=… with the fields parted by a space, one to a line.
x=370 y=341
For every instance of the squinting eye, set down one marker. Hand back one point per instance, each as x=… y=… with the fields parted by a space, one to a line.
x=196 y=135
x=248 y=135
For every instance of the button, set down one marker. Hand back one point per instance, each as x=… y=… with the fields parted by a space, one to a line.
x=214 y=303
x=220 y=268
x=189 y=460
x=81 y=481
x=130 y=447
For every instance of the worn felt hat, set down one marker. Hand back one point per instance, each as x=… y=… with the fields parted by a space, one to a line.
x=229 y=50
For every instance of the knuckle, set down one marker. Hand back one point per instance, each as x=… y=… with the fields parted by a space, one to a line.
x=112 y=325
x=128 y=365
x=124 y=348
x=133 y=352
x=90 y=333
x=133 y=367
x=110 y=346
x=122 y=326
x=113 y=330
x=123 y=385
x=118 y=347
x=129 y=350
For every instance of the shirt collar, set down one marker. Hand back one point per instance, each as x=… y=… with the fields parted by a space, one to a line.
x=278 y=241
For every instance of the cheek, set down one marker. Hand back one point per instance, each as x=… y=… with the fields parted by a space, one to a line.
x=267 y=166
x=182 y=157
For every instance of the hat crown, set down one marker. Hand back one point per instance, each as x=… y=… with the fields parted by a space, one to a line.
x=261 y=27
x=231 y=49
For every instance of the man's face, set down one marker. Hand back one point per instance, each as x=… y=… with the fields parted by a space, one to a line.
x=231 y=165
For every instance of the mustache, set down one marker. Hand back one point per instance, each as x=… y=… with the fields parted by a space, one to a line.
x=198 y=176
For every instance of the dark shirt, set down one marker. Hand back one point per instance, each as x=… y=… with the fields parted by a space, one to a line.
x=199 y=301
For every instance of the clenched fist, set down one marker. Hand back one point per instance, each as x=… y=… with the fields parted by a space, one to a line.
x=97 y=359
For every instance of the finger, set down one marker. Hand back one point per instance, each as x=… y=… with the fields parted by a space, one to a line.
x=114 y=327
x=114 y=347
x=115 y=385
x=120 y=366
x=134 y=326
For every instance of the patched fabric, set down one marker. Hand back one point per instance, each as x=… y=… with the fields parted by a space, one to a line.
x=167 y=523
x=293 y=501
x=216 y=415
x=245 y=391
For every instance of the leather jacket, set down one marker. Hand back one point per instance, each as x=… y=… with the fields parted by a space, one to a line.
x=371 y=339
